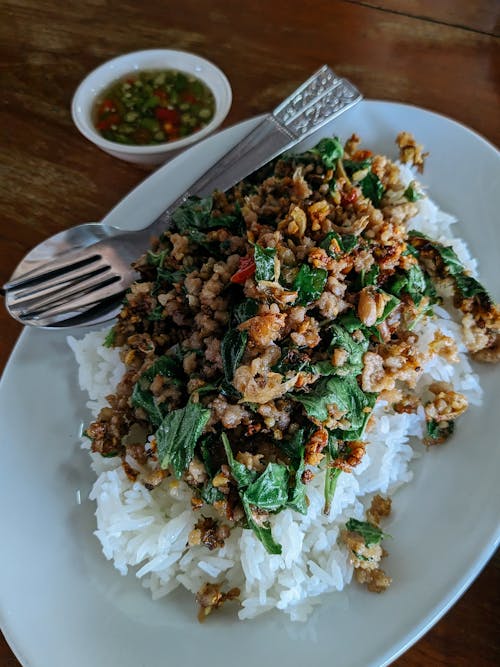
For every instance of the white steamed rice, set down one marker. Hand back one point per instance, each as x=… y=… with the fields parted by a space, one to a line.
x=148 y=530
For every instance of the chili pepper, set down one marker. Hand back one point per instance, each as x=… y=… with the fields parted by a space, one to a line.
x=245 y=270
x=168 y=115
x=108 y=121
x=349 y=197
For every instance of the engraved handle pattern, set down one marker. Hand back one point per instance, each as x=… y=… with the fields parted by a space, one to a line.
x=342 y=96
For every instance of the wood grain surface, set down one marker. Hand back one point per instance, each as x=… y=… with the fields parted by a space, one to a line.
x=439 y=54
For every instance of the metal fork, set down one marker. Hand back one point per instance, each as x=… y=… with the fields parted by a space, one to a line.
x=67 y=290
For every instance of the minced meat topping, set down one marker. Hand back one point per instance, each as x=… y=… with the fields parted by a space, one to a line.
x=266 y=323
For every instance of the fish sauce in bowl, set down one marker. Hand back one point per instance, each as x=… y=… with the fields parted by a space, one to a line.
x=153 y=107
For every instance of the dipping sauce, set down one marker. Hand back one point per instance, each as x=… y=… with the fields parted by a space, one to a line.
x=153 y=107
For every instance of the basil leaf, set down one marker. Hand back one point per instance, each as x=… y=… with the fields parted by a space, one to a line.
x=331 y=476
x=309 y=283
x=412 y=194
x=368 y=531
x=347 y=396
x=370 y=277
x=391 y=304
x=297 y=497
x=109 y=341
x=352 y=166
x=193 y=214
x=241 y=474
x=210 y=494
x=142 y=397
x=178 y=434
x=336 y=245
x=439 y=431
x=466 y=285
x=372 y=187
x=270 y=490
x=341 y=338
x=245 y=310
x=263 y=532
x=264 y=262
x=232 y=348
x=330 y=151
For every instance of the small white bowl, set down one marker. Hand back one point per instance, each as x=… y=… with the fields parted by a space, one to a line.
x=98 y=80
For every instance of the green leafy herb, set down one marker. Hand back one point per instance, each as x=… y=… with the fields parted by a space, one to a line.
x=195 y=213
x=369 y=532
x=244 y=310
x=412 y=194
x=346 y=395
x=330 y=150
x=142 y=397
x=331 y=476
x=241 y=474
x=466 y=285
x=270 y=490
x=232 y=348
x=263 y=532
x=352 y=166
x=337 y=245
x=309 y=283
x=178 y=434
x=439 y=431
x=109 y=341
x=341 y=338
x=372 y=187
x=370 y=277
x=416 y=283
x=264 y=262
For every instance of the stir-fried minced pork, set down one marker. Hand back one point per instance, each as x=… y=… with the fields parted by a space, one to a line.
x=265 y=326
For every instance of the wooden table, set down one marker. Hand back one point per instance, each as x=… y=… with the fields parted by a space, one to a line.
x=439 y=54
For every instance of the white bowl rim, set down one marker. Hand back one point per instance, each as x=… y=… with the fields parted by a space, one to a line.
x=223 y=102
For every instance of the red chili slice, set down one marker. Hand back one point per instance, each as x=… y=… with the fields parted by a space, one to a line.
x=168 y=115
x=108 y=121
x=245 y=270
x=349 y=197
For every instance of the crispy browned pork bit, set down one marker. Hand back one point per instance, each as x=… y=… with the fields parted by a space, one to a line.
x=210 y=597
x=266 y=323
x=362 y=539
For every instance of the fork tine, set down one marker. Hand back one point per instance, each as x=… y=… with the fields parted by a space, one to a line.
x=90 y=290
x=70 y=263
x=41 y=289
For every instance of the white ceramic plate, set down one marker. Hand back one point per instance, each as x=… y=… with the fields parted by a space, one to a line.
x=63 y=604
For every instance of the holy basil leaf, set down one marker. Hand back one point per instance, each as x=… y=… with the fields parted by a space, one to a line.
x=211 y=494
x=331 y=476
x=412 y=194
x=142 y=397
x=195 y=213
x=264 y=262
x=309 y=283
x=270 y=490
x=337 y=245
x=372 y=187
x=109 y=341
x=263 y=532
x=178 y=434
x=244 y=310
x=297 y=496
x=241 y=474
x=466 y=285
x=391 y=304
x=352 y=166
x=438 y=432
x=330 y=150
x=346 y=395
x=341 y=338
x=369 y=532
x=370 y=277
x=232 y=348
